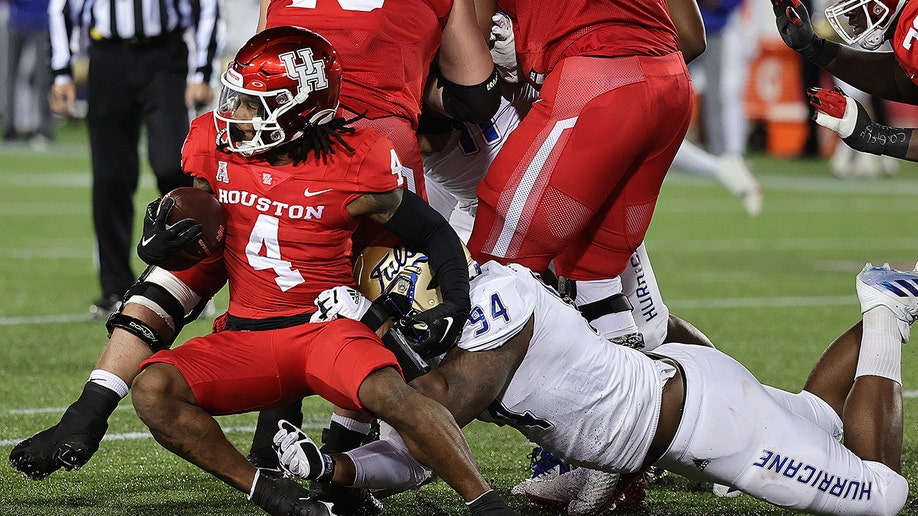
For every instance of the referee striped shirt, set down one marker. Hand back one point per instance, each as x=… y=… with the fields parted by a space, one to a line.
x=135 y=21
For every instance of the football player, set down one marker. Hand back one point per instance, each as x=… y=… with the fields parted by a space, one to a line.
x=396 y=55
x=864 y=25
x=294 y=180
x=689 y=409
x=576 y=182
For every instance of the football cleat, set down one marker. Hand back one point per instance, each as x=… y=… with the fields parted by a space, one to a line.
x=584 y=491
x=286 y=497
x=58 y=447
x=596 y=495
x=353 y=501
x=722 y=491
x=556 y=490
x=738 y=179
x=894 y=289
x=544 y=466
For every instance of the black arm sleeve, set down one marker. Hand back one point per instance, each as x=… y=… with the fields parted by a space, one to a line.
x=476 y=104
x=426 y=230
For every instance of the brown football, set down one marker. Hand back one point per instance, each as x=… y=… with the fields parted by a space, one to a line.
x=207 y=211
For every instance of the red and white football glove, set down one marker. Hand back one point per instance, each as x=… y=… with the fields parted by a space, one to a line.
x=850 y=120
x=503 y=48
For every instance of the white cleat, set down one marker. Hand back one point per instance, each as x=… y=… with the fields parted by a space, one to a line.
x=884 y=286
x=738 y=179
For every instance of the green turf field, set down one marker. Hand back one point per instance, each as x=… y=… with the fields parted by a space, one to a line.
x=771 y=291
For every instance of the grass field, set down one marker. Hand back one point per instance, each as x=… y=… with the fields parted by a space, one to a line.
x=771 y=291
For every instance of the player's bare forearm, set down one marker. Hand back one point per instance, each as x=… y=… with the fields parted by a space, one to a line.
x=466 y=382
x=876 y=73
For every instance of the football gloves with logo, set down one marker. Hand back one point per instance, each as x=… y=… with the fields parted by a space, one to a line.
x=796 y=30
x=299 y=455
x=162 y=240
x=286 y=496
x=503 y=48
x=338 y=302
x=433 y=332
x=850 y=120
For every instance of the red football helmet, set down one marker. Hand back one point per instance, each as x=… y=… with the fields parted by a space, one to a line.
x=871 y=20
x=283 y=80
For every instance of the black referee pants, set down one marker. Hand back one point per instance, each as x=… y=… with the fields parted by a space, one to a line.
x=132 y=86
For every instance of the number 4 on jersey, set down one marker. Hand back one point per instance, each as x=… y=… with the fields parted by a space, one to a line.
x=264 y=236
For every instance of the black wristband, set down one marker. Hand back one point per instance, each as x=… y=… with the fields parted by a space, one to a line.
x=821 y=52
x=881 y=139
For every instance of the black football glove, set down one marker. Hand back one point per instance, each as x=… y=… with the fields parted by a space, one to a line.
x=433 y=332
x=797 y=32
x=161 y=240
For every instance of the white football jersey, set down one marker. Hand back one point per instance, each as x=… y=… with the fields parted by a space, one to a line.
x=576 y=394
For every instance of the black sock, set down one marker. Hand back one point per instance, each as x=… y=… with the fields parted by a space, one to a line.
x=337 y=438
x=267 y=426
x=90 y=412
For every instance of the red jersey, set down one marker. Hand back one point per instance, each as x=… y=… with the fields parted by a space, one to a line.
x=385 y=46
x=905 y=40
x=547 y=31
x=288 y=232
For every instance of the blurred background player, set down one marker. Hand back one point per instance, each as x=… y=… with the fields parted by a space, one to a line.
x=720 y=75
x=27 y=77
x=138 y=79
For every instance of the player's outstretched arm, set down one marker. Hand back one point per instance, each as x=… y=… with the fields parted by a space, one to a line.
x=848 y=118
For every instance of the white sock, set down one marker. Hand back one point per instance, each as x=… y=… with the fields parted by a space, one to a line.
x=110 y=381
x=352 y=424
x=881 y=346
x=611 y=325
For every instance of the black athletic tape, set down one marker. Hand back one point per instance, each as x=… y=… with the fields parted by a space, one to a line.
x=411 y=363
x=138 y=328
x=375 y=316
x=613 y=304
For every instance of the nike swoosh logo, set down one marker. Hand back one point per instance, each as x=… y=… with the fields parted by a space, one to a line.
x=145 y=241
x=307 y=193
x=449 y=324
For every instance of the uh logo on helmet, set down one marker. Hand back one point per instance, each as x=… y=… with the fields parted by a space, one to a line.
x=281 y=82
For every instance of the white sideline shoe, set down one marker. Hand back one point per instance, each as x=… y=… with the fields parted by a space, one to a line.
x=738 y=179
x=894 y=289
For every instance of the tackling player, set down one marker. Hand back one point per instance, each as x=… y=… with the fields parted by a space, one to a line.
x=689 y=409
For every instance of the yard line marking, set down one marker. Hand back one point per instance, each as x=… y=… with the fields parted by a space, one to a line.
x=45 y=319
x=762 y=302
x=131 y=436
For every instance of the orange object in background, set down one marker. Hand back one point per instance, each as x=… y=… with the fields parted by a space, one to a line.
x=775 y=96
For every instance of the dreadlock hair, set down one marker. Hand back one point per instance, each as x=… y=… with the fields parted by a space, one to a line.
x=320 y=139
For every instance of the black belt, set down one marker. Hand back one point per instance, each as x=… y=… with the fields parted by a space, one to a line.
x=139 y=43
x=234 y=323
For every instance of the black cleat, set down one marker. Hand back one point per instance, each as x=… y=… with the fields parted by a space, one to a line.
x=353 y=501
x=286 y=497
x=69 y=445
x=55 y=448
